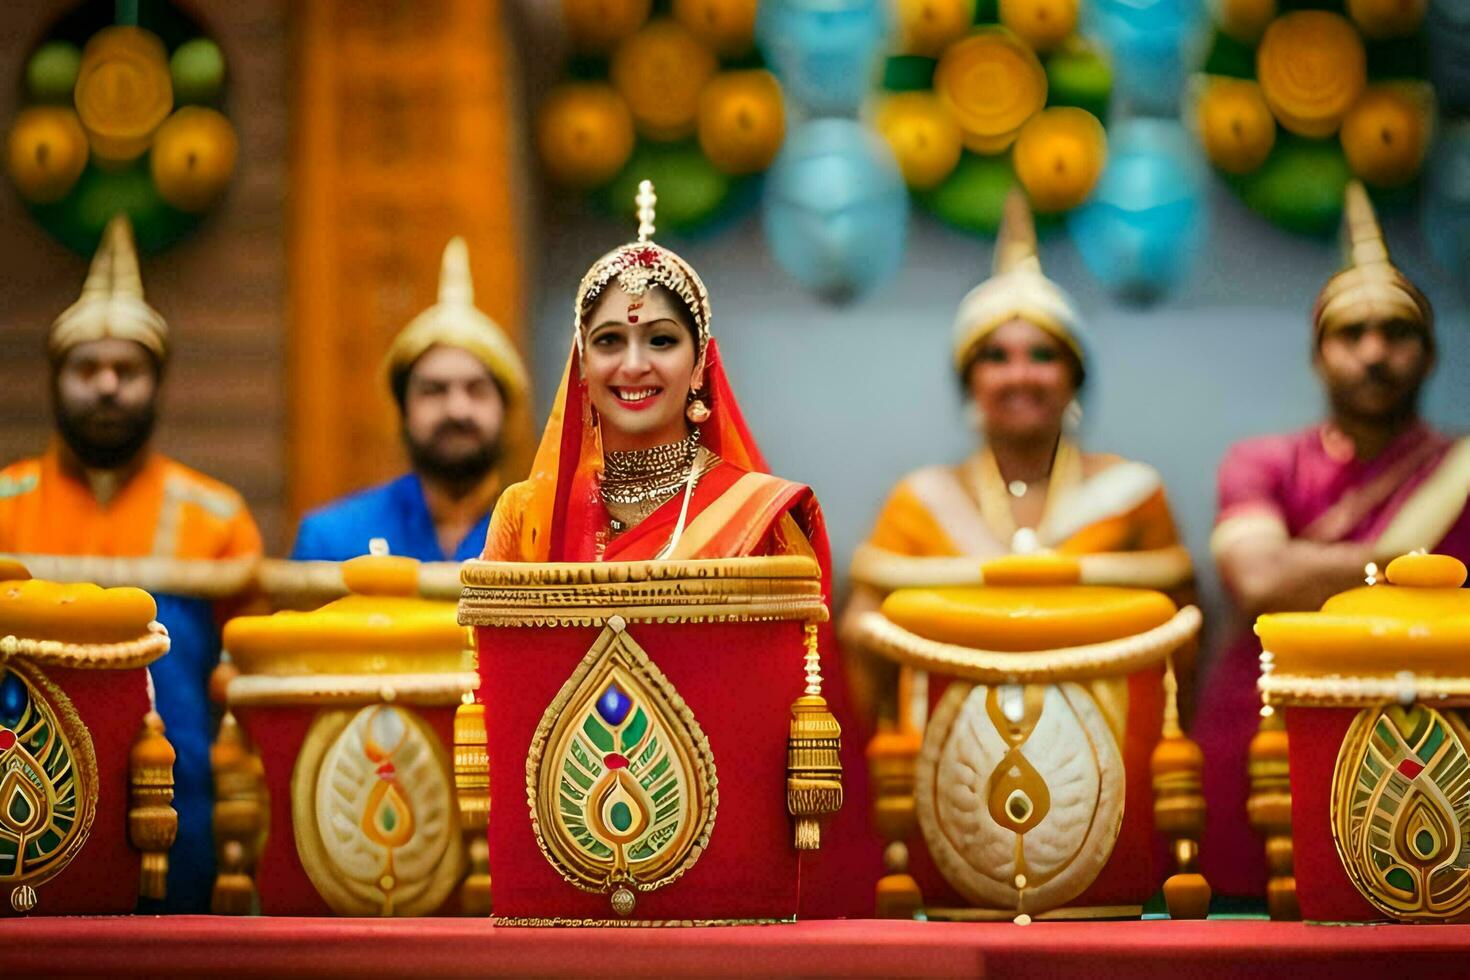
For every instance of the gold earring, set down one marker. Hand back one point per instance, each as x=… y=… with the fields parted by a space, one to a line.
x=697 y=412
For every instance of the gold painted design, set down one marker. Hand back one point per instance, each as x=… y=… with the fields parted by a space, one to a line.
x=48 y=778
x=374 y=809
x=694 y=591
x=620 y=778
x=1401 y=811
x=1019 y=793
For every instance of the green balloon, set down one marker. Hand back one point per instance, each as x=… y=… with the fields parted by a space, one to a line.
x=973 y=197
x=198 y=71
x=1300 y=186
x=1081 y=78
x=78 y=219
x=51 y=74
x=908 y=73
x=691 y=190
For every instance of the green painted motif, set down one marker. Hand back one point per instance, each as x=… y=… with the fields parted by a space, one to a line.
x=40 y=809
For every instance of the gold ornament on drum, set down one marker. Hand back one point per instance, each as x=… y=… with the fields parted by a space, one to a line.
x=1312 y=68
x=991 y=83
x=1059 y=157
x=660 y=72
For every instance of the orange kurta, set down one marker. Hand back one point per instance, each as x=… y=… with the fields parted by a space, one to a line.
x=165 y=510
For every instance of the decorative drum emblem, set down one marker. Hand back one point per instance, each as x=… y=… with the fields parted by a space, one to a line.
x=377 y=825
x=48 y=781
x=621 y=780
x=1401 y=810
x=1019 y=792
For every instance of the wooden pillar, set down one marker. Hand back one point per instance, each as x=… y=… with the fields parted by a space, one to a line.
x=404 y=133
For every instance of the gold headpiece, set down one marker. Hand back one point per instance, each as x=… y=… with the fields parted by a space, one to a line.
x=455 y=321
x=1018 y=289
x=111 y=304
x=1371 y=286
x=641 y=264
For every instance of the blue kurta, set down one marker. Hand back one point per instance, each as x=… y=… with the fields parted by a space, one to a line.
x=396 y=512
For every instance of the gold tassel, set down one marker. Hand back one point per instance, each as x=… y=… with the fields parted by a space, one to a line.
x=239 y=818
x=152 y=822
x=1179 y=807
x=1269 y=810
x=891 y=757
x=813 y=762
x=472 y=784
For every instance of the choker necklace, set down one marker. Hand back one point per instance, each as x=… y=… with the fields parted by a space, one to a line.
x=638 y=476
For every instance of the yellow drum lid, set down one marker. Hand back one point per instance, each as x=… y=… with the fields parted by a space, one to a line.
x=1419 y=621
x=1023 y=618
x=67 y=612
x=382 y=627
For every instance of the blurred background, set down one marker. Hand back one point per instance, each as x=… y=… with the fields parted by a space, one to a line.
x=833 y=168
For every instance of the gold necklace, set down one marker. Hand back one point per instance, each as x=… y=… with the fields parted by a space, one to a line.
x=637 y=475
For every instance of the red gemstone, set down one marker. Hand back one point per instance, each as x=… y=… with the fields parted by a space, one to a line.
x=615 y=761
x=7 y=739
x=1411 y=768
x=386 y=770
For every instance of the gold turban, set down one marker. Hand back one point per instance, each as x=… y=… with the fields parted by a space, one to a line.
x=455 y=321
x=111 y=304
x=1370 y=287
x=1018 y=289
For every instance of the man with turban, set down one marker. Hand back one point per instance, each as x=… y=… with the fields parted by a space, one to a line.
x=459 y=383
x=100 y=495
x=1302 y=515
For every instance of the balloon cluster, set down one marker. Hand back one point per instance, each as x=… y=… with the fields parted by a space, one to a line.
x=1294 y=104
x=121 y=123
x=680 y=98
x=835 y=210
x=987 y=93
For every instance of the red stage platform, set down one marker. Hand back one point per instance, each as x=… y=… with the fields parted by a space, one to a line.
x=200 y=945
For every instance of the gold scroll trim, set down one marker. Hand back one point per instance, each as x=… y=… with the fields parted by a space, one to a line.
x=321 y=689
x=89 y=656
x=1087 y=662
x=1364 y=691
x=1162 y=568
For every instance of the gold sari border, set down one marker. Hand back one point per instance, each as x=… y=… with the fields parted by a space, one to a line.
x=1090 y=661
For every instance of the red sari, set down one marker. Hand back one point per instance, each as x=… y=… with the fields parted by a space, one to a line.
x=737 y=509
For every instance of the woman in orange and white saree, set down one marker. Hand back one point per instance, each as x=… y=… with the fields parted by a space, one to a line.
x=1020 y=351
x=646 y=457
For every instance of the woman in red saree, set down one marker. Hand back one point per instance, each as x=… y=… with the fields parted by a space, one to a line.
x=646 y=457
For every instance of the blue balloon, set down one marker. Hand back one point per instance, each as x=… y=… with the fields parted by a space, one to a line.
x=1447 y=200
x=825 y=52
x=836 y=209
x=1147 y=221
x=1154 y=44
x=1447 y=26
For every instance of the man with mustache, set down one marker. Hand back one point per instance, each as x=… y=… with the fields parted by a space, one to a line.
x=1302 y=515
x=101 y=505
x=458 y=382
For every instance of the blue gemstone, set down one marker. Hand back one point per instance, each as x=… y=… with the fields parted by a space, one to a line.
x=13 y=699
x=614 y=705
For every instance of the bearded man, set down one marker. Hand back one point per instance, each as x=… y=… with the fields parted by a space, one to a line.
x=457 y=380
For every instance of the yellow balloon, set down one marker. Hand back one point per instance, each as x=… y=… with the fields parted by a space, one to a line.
x=727 y=26
x=1059 y=156
x=596 y=26
x=1385 y=136
x=584 y=134
x=1245 y=20
x=1381 y=19
x=1043 y=24
x=47 y=152
x=926 y=27
x=925 y=139
x=660 y=72
x=991 y=83
x=1312 y=68
x=193 y=157
x=123 y=91
x=742 y=120
x=1235 y=125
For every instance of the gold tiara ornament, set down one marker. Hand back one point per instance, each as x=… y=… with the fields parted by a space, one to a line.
x=638 y=266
